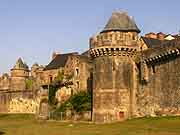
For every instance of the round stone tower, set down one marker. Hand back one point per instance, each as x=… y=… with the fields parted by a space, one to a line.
x=19 y=74
x=113 y=52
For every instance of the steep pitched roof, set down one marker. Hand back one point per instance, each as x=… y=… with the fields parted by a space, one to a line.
x=151 y=42
x=20 y=65
x=162 y=49
x=59 y=61
x=120 y=21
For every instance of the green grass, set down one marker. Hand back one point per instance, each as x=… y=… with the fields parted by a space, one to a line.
x=27 y=125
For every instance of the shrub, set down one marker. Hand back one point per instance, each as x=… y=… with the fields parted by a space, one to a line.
x=52 y=94
x=79 y=102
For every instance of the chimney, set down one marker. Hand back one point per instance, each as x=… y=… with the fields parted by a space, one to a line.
x=151 y=35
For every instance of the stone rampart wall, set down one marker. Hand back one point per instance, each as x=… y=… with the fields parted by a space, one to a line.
x=160 y=94
x=18 y=102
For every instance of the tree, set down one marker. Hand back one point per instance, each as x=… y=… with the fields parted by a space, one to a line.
x=79 y=102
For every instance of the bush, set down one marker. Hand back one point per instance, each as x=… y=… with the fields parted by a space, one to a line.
x=52 y=94
x=29 y=84
x=79 y=102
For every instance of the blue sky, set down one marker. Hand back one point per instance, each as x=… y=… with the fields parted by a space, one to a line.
x=33 y=29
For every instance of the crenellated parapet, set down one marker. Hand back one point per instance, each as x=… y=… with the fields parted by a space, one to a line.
x=114 y=38
x=114 y=43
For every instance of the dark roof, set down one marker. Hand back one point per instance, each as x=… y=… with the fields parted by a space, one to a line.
x=59 y=61
x=20 y=65
x=151 y=42
x=161 y=49
x=120 y=21
x=86 y=53
x=85 y=58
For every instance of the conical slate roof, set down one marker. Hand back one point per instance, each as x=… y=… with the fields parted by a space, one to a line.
x=20 y=65
x=120 y=21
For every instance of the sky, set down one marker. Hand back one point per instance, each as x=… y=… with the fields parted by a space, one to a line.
x=34 y=29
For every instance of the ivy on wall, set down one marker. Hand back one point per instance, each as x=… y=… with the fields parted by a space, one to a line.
x=60 y=81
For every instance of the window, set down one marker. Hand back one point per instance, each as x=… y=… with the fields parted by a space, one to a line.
x=50 y=79
x=133 y=37
x=77 y=71
x=121 y=115
x=153 y=68
x=77 y=83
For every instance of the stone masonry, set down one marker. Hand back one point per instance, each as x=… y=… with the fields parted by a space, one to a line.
x=129 y=75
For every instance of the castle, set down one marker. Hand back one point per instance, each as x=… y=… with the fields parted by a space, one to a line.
x=129 y=75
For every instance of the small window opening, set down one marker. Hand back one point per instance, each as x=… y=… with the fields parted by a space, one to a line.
x=133 y=37
x=153 y=68
x=77 y=71
x=121 y=114
x=50 y=79
x=77 y=83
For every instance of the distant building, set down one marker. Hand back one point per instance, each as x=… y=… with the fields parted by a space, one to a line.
x=169 y=37
x=14 y=88
x=72 y=64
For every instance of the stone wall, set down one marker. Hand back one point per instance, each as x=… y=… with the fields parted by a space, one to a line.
x=160 y=94
x=114 y=38
x=20 y=105
x=113 y=88
x=18 y=102
x=80 y=67
x=49 y=75
x=63 y=94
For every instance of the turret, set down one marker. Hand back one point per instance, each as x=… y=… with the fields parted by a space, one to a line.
x=113 y=51
x=20 y=69
x=19 y=74
x=120 y=31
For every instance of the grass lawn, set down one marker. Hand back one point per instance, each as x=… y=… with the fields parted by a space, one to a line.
x=27 y=125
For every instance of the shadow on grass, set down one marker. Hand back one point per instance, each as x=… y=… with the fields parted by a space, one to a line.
x=3 y=116
x=2 y=133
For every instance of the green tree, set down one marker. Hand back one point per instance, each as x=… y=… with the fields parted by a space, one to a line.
x=29 y=84
x=79 y=102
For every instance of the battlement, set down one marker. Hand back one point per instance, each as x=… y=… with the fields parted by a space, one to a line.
x=114 y=38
